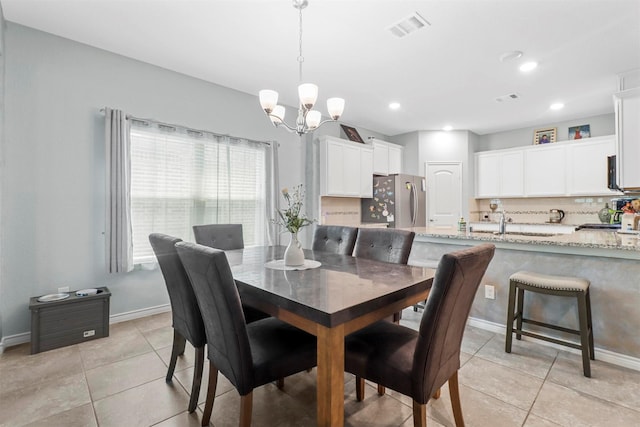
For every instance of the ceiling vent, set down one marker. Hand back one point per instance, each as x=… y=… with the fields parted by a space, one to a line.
x=509 y=97
x=408 y=25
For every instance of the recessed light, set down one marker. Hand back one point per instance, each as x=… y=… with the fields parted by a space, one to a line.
x=394 y=105
x=528 y=66
x=510 y=56
x=447 y=128
x=557 y=106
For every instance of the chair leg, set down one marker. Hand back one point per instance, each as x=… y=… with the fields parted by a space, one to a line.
x=520 y=312
x=381 y=390
x=177 y=349
x=590 y=324
x=584 y=333
x=197 y=379
x=211 y=394
x=419 y=414
x=454 y=393
x=510 y=309
x=280 y=383
x=246 y=405
x=359 y=389
x=436 y=395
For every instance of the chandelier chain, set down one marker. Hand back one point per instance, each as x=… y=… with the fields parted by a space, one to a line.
x=300 y=57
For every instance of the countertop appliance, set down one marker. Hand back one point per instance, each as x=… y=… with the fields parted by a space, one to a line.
x=398 y=200
x=556 y=215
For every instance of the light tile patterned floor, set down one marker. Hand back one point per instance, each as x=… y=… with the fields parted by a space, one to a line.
x=119 y=381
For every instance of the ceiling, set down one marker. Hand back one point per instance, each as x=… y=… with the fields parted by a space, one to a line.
x=448 y=73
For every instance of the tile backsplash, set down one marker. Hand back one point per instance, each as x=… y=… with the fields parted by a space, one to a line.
x=577 y=210
x=340 y=211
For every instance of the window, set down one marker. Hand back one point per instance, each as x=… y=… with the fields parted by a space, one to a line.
x=180 y=178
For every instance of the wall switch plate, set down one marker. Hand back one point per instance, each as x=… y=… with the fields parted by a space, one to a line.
x=63 y=289
x=90 y=333
x=489 y=291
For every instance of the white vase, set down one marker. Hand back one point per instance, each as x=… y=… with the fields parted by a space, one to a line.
x=293 y=255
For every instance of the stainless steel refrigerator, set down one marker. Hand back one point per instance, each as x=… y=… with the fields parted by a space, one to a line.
x=398 y=200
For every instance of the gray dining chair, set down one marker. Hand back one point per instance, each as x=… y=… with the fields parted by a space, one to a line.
x=226 y=237
x=418 y=363
x=248 y=355
x=219 y=236
x=386 y=245
x=186 y=318
x=334 y=238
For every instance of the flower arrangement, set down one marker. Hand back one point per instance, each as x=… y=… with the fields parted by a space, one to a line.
x=291 y=218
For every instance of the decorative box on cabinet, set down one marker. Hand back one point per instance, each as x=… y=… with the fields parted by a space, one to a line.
x=69 y=321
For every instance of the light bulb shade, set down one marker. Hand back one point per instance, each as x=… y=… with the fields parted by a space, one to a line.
x=313 y=119
x=268 y=100
x=308 y=93
x=277 y=116
x=335 y=107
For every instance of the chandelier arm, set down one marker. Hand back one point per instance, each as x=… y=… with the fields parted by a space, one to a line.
x=325 y=121
x=281 y=122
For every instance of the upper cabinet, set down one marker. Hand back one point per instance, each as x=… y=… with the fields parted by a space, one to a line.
x=345 y=168
x=561 y=169
x=627 y=107
x=387 y=158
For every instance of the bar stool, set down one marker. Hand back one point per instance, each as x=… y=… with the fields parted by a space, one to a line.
x=552 y=285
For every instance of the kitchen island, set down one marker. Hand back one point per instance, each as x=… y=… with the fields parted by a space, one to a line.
x=608 y=259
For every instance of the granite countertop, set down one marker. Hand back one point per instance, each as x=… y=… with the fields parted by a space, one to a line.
x=585 y=238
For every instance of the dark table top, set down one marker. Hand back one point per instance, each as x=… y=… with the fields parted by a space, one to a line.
x=341 y=289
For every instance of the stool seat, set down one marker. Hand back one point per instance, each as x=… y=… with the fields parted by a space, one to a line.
x=547 y=281
x=559 y=286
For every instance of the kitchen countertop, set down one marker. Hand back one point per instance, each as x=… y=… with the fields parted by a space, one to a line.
x=586 y=241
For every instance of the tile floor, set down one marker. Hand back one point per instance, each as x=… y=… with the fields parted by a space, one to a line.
x=119 y=381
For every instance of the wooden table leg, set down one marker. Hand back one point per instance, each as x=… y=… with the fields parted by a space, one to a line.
x=331 y=376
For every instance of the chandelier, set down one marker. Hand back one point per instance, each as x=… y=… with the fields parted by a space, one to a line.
x=308 y=119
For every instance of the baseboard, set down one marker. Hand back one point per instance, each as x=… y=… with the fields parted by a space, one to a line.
x=601 y=354
x=11 y=340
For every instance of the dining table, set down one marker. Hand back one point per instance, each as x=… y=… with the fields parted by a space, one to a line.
x=331 y=300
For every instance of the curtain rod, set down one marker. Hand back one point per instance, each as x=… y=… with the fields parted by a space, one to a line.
x=170 y=125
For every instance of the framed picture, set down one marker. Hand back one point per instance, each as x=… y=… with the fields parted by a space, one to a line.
x=544 y=136
x=352 y=134
x=579 y=132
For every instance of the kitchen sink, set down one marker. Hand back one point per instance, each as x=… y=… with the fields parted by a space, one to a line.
x=521 y=233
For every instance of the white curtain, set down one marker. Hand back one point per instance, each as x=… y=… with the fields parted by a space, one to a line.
x=273 y=194
x=119 y=244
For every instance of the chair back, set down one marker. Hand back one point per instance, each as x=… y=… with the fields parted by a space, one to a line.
x=187 y=319
x=386 y=245
x=437 y=354
x=335 y=239
x=227 y=339
x=219 y=236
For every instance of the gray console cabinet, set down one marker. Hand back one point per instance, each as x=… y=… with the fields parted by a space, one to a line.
x=70 y=321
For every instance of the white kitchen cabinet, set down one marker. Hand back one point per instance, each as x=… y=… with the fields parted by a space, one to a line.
x=499 y=174
x=387 y=158
x=627 y=107
x=587 y=165
x=345 y=168
x=545 y=171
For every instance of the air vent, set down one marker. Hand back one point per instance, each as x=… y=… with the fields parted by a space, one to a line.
x=408 y=25
x=509 y=97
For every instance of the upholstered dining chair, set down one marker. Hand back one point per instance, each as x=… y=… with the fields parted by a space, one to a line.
x=187 y=321
x=386 y=245
x=335 y=239
x=418 y=363
x=248 y=355
x=226 y=237
x=219 y=236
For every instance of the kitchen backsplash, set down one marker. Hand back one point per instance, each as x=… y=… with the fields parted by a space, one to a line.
x=577 y=210
x=340 y=211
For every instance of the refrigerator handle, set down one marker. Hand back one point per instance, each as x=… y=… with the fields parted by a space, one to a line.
x=414 y=205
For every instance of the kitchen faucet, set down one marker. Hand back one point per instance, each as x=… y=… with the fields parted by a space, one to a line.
x=502 y=225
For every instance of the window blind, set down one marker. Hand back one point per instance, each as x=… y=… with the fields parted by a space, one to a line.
x=180 y=178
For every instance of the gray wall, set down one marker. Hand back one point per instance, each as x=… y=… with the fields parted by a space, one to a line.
x=2 y=114
x=600 y=126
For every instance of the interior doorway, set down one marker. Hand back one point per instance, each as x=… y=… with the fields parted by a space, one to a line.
x=444 y=193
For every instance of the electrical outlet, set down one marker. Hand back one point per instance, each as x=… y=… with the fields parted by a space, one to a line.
x=489 y=291
x=90 y=333
x=63 y=289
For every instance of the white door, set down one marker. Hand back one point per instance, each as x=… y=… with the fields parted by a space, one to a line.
x=444 y=193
